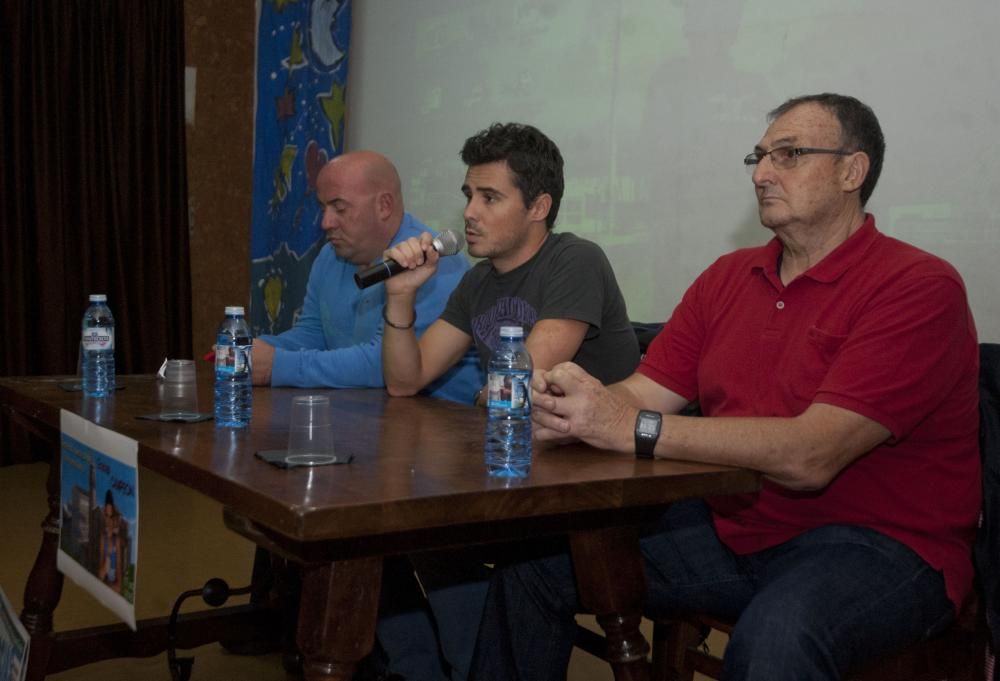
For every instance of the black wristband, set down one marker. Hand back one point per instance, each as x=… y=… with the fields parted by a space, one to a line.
x=647 y=432
x=398 y=326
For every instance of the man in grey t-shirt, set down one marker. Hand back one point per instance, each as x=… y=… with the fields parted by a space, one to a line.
x=559 y=287
x=568 y=278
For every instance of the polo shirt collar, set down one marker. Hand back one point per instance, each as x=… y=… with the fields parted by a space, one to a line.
x=831 y=267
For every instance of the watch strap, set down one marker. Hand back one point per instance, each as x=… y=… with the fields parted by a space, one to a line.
x=646 y=437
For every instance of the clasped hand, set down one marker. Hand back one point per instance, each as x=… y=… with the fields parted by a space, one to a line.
x=418 y=256
x=569 y=404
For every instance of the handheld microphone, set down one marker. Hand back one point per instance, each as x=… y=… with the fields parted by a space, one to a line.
x=448 y=242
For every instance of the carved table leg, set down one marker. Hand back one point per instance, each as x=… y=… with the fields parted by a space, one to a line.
x=612 y=585
x=337 y=616
x=288 y=593
x=44 y=586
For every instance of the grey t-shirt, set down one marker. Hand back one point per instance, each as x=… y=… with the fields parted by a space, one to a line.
x=569 y=278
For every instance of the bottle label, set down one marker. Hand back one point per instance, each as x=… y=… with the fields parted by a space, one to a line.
x=509 y=391
x=232 y=359
x=98 y=338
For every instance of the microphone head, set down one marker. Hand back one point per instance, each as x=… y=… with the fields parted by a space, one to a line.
x=449 y=242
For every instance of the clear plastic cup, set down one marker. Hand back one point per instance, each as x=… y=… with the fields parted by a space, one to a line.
x=179 y=390
x=310 y=431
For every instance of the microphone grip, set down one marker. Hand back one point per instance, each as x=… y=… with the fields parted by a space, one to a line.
x=377 y=272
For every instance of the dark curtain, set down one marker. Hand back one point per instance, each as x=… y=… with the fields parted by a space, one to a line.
x=93 y=187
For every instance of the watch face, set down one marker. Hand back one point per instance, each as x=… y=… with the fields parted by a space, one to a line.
x=647 y=425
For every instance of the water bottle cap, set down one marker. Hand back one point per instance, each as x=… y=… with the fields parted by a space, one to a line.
x=98 y=298
x=511 y=332
x=232 y=310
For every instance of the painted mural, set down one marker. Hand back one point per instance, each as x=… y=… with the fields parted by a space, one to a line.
x=298 y=126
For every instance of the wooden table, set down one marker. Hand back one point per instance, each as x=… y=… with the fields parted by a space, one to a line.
x=417 y=482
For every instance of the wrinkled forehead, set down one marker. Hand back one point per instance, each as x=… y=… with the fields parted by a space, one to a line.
x=805 y=125
x=337 y=181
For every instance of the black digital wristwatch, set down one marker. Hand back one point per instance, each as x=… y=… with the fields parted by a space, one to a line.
x=647 y=432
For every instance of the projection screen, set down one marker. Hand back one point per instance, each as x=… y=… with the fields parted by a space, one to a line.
x=655 y=102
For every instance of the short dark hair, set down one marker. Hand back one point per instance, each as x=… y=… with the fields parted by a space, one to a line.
x=859 y=130
x=534 y=160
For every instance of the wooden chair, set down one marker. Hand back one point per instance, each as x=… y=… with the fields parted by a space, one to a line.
x=679 y=650
x=957 y=654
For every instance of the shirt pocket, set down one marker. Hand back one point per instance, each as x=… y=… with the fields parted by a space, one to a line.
x=817 y=357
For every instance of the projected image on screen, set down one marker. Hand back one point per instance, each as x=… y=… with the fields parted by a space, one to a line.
x=655 y=102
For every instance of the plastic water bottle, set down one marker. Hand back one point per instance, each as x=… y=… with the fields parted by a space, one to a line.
x=233 y=390
x=508 y=425
x=97 y=348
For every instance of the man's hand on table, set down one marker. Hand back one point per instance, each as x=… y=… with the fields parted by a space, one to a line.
x=263 y=360
x=569 y=404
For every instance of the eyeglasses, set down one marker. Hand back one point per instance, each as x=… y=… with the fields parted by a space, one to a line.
x=787 y=157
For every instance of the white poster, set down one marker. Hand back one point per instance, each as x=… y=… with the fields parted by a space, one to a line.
x=99 y=513
x=14 y=643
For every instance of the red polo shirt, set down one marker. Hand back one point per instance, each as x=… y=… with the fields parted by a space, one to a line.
x=878 y=327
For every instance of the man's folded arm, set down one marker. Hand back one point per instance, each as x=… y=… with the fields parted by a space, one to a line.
x=552 y=341
x=803 y=452
x=411 y=364
x=643 y=392
x=357 y=366
x=298 y=337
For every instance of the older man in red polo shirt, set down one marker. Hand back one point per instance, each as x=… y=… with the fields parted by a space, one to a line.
x=836 y=360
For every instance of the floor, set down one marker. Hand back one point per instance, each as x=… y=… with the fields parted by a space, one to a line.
x=183 y=543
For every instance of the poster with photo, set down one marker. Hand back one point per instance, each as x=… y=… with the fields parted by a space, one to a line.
x=99 y=513
x=14 y=643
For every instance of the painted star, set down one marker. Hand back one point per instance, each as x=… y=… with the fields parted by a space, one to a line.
x=280 y=5
x=273 y=288
x=285 y=105
x=333 y=108
x=283 y=175
x=296 y=58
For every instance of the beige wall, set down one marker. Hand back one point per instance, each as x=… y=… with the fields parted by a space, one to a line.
x=220 y=46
